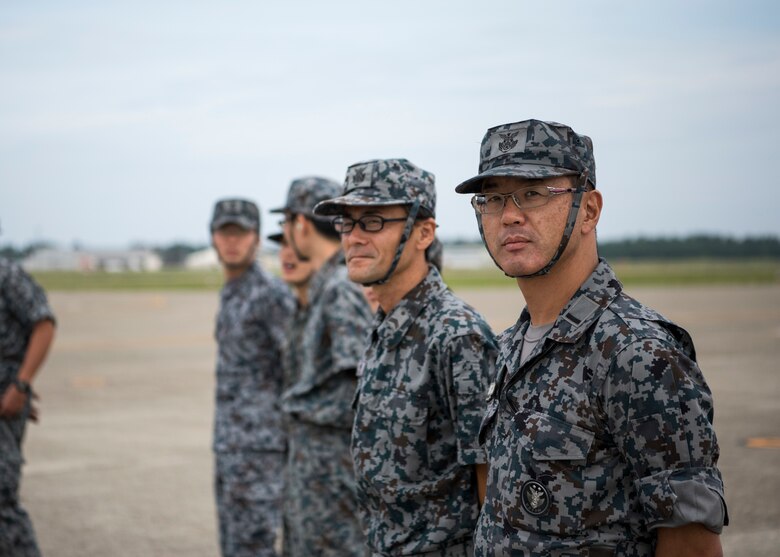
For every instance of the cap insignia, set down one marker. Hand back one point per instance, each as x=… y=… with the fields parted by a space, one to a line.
x=508 y=142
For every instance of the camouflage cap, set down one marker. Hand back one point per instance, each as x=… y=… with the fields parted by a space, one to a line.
x=384 y=182
x=242 y=212
x=305 y=193
x=532 y=149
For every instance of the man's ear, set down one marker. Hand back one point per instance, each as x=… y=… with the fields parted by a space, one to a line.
x=591 y=209
x=426 y=233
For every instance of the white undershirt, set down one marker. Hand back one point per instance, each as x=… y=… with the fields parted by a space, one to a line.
x=531 y=338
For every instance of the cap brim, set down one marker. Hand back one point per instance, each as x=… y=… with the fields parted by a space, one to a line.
x=335 y=206
x=243 y=222
x=275 y=238
x=530 y=171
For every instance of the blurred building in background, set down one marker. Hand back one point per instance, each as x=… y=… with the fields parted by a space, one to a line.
x=92 y=260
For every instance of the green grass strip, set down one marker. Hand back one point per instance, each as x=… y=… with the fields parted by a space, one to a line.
x=631 y=273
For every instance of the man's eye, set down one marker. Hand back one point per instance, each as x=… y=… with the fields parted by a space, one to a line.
x=492 y=199
x=533 y=192
x=372 y=221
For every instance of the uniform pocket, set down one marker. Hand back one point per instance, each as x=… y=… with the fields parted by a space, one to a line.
x=559 y=440
x=545 y=483
x=402 y=407
x=391 y=433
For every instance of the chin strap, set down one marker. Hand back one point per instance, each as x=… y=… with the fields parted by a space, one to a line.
x=404 y=237
x=576 y=201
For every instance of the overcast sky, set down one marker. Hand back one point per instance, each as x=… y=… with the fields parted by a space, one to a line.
x=123 y=122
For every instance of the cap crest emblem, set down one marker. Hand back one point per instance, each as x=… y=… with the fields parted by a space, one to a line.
x=508 y=142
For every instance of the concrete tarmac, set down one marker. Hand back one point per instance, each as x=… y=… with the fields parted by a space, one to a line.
x=121 y=465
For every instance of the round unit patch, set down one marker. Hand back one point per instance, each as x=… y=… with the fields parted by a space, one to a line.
x=535 y=498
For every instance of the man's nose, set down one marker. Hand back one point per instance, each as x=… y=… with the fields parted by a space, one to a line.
x=511 y=213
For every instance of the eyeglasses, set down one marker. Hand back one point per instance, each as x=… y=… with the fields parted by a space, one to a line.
x=367 y=223
x=524 y=198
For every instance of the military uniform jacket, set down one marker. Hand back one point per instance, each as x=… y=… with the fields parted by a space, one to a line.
x=22 y=304
x=420 y=402
x=602 y=435
x=325 y=341
x=253 y=313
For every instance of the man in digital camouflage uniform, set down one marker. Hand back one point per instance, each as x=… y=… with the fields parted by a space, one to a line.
x=599 y=425
x=325 y=341
x=249 y=442
x=424 y=375
x=26 y=333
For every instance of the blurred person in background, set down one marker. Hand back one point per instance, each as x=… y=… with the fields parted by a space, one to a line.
x=249 y=441
x=325 y=341
x=296 y=273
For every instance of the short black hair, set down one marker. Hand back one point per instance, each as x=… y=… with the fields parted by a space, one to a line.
x=325 y=227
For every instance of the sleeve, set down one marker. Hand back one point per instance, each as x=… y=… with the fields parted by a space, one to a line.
x=348 y=318
x=472 y=360
x=278 y=314
x=659 y=409
x=26 y=299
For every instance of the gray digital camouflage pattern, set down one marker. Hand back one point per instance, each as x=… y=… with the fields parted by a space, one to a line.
x=22 y=304
x=532 y=149
x=305 y=193
x=249 y=487
x=242 y=212
x=604 y=434
x=419 y=405
x=248 y=430
x=325 y=342
x=383 y=182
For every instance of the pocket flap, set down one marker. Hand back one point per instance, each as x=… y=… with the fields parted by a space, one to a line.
x=555 y=439
x=397 y=405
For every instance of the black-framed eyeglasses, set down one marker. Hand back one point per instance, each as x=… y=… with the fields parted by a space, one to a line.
x=367 y=223
x=525 y=198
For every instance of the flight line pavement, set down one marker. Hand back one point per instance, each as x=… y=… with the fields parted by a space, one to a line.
x=121 y=465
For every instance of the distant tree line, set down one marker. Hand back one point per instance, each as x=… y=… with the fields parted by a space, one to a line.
x=698 y=246
x=17 y=254
x=175 y=254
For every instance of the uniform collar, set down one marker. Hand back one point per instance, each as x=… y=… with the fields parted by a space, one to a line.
x=584 y=308
x=391 y=328
x=237 y=284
